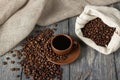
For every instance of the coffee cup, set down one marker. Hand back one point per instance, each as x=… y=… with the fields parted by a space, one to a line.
x=62 y=43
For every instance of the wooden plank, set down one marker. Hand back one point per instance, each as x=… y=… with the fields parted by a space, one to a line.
x=62 y=28
x=5 y=70
x=117 y=63
x=101 y=66
x=117 y=53
x=80 y=64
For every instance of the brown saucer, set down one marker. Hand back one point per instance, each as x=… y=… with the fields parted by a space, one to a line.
x=73 y=55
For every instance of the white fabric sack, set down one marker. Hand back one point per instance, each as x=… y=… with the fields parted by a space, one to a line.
x=109 y=16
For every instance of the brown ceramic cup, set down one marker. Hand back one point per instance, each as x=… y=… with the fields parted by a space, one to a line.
x=62 y=44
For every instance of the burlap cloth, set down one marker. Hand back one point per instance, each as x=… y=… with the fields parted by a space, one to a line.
x=18 y=17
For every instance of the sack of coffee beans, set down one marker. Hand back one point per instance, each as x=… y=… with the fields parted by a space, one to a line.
x=99 y=27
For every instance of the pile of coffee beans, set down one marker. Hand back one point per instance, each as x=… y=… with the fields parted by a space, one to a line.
x=34 y=62
x=53 y=56
x=98 y=31
x=32 y=58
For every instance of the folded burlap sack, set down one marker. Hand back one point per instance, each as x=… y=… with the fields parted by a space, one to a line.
x=17 y=27
x=18 y=17
x=7 y=10
x=109 y=16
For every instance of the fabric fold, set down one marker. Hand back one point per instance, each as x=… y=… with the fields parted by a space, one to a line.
x=57 y=10
x=18 y=17
x=8 y=10
x=20 y=25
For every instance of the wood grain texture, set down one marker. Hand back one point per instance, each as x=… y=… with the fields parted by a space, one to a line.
x=62 y=28
x=80 y=65
x=5 y=70
x=117 y=53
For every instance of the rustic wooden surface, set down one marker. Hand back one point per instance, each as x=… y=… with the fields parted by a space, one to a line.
x=91 y=65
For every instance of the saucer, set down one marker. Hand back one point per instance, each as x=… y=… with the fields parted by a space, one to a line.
x=72 y=56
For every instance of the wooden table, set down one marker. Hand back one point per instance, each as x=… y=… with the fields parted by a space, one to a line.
x=91 y=62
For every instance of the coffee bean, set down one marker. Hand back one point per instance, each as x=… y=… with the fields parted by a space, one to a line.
x=4 y=63
x=12 y=62
x=12 y=69
x=18 y=76
x=14 y=55
x=98 y=31
x=19 y=57
x=11 y=51
x=7 y=58
x=17 y=69
x=18 y=62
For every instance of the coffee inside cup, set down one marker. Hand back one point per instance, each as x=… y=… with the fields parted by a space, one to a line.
x=61 y=42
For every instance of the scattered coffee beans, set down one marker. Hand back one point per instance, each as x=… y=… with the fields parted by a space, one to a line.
x=33 y=58
x=15 y=69
x=34 y=61
x=99 y=32
x=18 y=54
